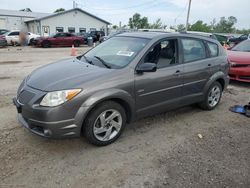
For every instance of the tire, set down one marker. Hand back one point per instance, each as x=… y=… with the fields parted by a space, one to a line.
x=213 y=97
x=31 y=42
x=100 y=128
x=46 y=44
x=76 y=43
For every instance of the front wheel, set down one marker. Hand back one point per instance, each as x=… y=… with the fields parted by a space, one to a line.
x=76 y=43
x=105 y=123
x=212 y=97
x=46 y=44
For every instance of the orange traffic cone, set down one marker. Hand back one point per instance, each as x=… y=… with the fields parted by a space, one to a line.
x=73 y=51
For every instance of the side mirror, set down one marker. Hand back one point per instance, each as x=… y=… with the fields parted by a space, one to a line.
x=146 y=67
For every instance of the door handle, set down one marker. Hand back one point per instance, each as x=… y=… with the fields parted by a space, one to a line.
x=209 y=65
x=177 y=73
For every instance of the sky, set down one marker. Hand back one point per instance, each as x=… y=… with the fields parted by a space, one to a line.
x=171 y=12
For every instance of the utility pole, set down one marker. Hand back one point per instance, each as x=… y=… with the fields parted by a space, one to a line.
x=189 y=6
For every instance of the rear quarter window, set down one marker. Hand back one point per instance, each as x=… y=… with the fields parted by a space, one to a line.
x=213 y=49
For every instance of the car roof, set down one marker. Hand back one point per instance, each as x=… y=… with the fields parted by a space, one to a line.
x=156 y=35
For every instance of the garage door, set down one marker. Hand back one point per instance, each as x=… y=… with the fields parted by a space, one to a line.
x=2 y=23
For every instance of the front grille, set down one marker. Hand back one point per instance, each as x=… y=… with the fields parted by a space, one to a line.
x=240 y=65
x=25 y=96
x=245 y=77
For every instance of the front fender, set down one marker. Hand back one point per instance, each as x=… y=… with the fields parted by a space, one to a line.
x=101 y=96
x=109 y=94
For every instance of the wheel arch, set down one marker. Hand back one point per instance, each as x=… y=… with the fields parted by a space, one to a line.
x=219 y=77
x=119 y=96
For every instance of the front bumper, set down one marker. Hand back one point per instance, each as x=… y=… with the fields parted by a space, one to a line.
x=37 y=43
x=240 y=74
x=58 y=122
x=3 y=43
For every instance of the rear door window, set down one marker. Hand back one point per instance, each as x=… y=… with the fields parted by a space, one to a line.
x=193 y=50
x=213 y=49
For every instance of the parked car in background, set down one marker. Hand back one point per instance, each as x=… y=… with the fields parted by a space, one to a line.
x=239 y=39
x=239 y=57
x=84 y=36
x=31 y=37
x=129 y=76
x=13 y=37
x=3 y=41
x=2 y=31
x=112 y=34
x=59 y=39
x=203 y=34
x=223 y=39
x=96 y=35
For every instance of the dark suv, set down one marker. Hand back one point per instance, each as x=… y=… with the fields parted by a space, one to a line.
x=131 y=75
x=96 y=35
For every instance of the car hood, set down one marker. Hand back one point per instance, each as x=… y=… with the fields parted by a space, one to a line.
x=65 y=74
x=239 y=57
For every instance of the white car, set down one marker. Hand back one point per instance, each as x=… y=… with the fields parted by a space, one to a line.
x=12 y=37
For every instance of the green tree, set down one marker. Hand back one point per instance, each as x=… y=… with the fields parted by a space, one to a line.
x=26 y=10
x=181 y=27
x=136 y=22
x=225 y=25
x=115 y=27
x=243 y=31
x=157 y=24
x=59 y=10
x=200 y=26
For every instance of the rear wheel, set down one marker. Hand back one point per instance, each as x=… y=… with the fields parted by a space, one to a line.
x=105 y=123
x=46 y=44
x=213 y=97
x=31 y=42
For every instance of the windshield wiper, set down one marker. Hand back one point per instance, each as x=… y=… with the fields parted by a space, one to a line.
x=103 y=62
x=88 y=61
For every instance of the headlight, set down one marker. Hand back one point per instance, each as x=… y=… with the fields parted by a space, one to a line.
x=56 y=98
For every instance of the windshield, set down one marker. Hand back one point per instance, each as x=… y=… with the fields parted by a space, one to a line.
x=116 y=52
x=242 y=47
x=6 y=34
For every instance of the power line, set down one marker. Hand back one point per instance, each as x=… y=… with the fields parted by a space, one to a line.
x=129 y=7
x=121 y=13
x=180 y=14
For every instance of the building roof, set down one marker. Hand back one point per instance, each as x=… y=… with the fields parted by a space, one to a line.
x=66 y=11
x=17 y=13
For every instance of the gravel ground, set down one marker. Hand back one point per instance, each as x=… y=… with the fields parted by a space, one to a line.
x=159 y=151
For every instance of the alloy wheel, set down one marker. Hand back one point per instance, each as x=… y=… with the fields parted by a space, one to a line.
x=214 y=96
x=107 y=125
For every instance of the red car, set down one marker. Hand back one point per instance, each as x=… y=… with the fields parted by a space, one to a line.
x=59 y=39
x=239 y=57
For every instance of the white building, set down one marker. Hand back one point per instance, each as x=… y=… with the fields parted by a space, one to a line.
x=15 y=20
x=73 y=20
